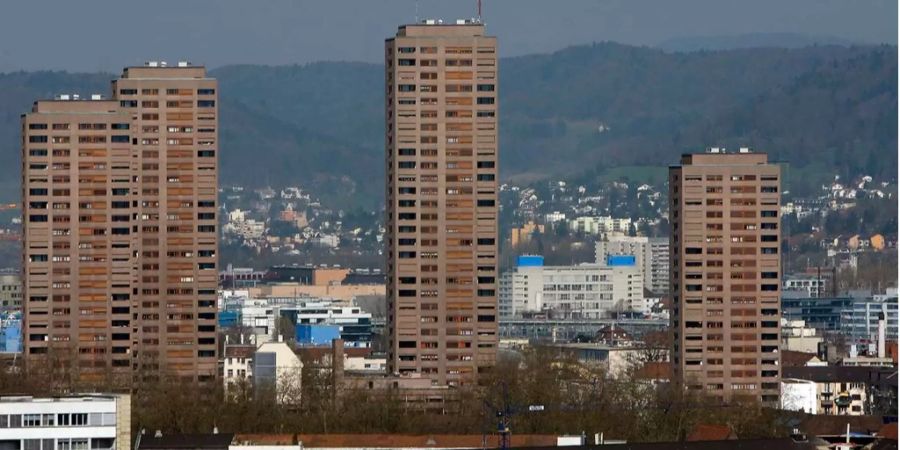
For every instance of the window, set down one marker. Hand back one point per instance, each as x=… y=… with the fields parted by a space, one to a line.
x=485 y=100
x=206 y=91
x=206 y=103
x=31 y=420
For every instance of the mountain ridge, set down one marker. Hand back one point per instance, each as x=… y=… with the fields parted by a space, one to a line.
x=580 y=110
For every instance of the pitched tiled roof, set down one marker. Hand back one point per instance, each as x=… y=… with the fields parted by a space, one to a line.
x=395 y=440
x=790 y=358
x=740 y=444
x=239 y=351
x=821 y=425
x=659 y=370
x=706 y=432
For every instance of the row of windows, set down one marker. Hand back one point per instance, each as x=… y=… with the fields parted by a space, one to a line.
x=447 y=88
x=200 y=91
x=81 y=126
x=57 y=420
x=449 y=50
x=155 y=104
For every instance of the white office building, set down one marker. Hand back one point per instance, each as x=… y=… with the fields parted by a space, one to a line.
x=859 y=322
x=651 y=255
x=588 y=291
x=79 y=422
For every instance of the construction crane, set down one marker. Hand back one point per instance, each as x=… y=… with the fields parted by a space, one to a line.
x=504 y=415
x=505 y=412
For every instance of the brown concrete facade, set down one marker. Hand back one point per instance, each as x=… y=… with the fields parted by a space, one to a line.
x=78 y=262
x=128 y=261
x=726 y=274
x=441 y=155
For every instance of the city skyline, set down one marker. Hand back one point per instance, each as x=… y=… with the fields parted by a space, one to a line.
x=186 y=249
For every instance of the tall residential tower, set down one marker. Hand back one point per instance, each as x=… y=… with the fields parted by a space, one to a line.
x=120 y=226
x=726 y=272
x=441 y=166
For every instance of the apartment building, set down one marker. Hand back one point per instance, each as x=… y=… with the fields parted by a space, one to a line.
x=78 y=240
x=651 y=254
x=441 y=165
x=726 y=270
x=132 y=286
x=584 y=291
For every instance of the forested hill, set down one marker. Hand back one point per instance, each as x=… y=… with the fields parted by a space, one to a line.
x=825 y=109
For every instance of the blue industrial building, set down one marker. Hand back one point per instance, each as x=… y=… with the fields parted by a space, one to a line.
x=315 y=335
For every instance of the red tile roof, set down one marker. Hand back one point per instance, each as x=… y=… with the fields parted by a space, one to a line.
x=888 y=431
x=395 y=440
x=655 y=371
x=790 y=358
x=706 y=432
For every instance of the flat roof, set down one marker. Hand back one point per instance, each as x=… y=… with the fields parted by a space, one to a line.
x=67 y=398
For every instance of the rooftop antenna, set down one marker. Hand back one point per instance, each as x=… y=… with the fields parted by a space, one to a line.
x=417 y=11
x=479 y=10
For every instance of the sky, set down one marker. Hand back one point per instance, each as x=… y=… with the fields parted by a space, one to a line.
x=105 y=35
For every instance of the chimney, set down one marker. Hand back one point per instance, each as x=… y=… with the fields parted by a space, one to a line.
x=337 y=362
x=881 y=336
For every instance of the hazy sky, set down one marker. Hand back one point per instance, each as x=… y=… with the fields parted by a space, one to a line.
x=91 y=35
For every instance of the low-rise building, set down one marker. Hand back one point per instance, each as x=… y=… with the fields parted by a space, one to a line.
x=311 y=319
x=95 y=421
x=276 y=364
x=821 y=313
x=796 y=336
x=811 y=285
x=844 y=391
x=600 y=225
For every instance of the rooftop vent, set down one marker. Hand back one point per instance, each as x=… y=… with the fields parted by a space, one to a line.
x=184 y=63
x=96 y=97
x=716 y=150
x=152 y=63
x=744 y=150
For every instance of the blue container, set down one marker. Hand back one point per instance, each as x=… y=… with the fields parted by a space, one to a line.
x=620 y=260
x=530 y=261
x=229 y=318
